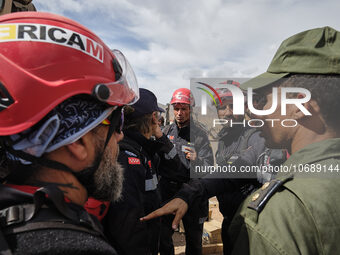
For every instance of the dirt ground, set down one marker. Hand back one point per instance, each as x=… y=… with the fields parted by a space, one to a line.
x=179 y=238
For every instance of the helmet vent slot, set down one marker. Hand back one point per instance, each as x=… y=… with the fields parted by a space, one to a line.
x=5 y=98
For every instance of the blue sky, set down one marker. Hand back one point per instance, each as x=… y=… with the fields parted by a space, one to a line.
x=169 y=42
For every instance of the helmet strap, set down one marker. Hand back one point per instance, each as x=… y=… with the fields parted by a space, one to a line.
x=39 y=161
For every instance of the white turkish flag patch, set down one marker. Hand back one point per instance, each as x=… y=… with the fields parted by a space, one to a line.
x=134 y=161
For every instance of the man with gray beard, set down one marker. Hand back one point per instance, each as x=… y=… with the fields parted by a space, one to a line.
x=108 y=182
x=60 y=124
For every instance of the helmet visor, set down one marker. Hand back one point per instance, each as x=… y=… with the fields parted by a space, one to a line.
x=125 y=89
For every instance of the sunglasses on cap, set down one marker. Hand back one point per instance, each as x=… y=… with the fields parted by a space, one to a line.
x=116 y=120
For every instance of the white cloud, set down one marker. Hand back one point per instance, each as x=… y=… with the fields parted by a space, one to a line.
x=167 y=42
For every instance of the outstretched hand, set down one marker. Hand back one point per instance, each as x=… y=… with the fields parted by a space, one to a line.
x=177 y=206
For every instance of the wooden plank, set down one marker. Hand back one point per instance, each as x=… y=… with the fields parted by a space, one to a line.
x=216 y=248
x=213 y=204
x=212 y=232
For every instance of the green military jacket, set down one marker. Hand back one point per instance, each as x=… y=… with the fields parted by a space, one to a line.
x=297 y=213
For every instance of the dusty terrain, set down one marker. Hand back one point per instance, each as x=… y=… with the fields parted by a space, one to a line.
x=179 y=238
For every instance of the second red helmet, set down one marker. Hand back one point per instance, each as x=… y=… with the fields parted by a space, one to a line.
x=182 y=96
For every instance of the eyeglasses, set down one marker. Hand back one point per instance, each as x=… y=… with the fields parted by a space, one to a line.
x=116 y=119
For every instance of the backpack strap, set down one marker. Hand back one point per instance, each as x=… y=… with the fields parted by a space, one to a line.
x=49 y=211
x=53 y=223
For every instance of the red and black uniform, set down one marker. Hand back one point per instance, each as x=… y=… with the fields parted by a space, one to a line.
x=139 y=158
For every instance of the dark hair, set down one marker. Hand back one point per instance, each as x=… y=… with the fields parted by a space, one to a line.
x=141 y=124
x=324 y=89
x=14 y=171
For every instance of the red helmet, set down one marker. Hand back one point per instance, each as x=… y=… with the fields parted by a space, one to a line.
x=182 y=96
x=45 y=59
x=224 y=93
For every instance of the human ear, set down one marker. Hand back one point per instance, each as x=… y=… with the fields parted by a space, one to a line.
x=311 y=106
x=155 y=118
x=80 y=148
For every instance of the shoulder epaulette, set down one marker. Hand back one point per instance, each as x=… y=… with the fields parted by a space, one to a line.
x=260 y=198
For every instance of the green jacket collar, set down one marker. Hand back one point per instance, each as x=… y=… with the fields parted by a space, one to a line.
x=316 y=152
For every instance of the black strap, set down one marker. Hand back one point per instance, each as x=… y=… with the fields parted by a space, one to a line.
x=16 y=214
x=39 y=161
x=115 y=119
x=31 y=226
x=49 y=210
x=18 y=219
x=57 y=197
